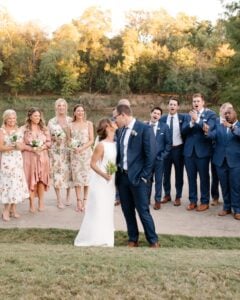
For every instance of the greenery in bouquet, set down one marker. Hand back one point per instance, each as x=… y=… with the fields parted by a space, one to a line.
x=13 y=138
x=74 y=143
x=59 y=133
x=111 y=168
x=36 y=143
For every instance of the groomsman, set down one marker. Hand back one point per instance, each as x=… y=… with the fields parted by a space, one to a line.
x=197 y=151
x=226 y=157
x=164 y=145
x=215 y=179
x=175 y=121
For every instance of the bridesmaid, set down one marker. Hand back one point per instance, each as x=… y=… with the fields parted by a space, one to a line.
x=13 y=186
x=37 y=141
x=59 y=153
x=80 y=141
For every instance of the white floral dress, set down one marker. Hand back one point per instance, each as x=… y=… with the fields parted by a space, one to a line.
x=80 y=162
x=13 y=185
x=59 y=154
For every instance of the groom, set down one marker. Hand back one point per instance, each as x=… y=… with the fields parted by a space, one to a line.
x=136 y=151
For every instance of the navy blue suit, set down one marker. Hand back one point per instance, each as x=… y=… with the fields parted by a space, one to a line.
x=163 y=148
x=215 y=179
x=175 y=158
x=132 y=184
x=197 y=153
x=226 y=158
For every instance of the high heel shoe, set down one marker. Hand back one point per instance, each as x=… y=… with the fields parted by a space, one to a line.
x=14 y=215
x=79 y=205
x=84 y=204
x=5 y=219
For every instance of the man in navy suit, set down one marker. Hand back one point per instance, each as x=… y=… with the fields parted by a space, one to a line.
x=175 y=121
x=197 y=151
x=215 y=179
x=136 y=151
x=226 y=157
x=164 y=145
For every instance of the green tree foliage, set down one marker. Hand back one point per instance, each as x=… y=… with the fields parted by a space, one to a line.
x=155 y=52
x=229 y=71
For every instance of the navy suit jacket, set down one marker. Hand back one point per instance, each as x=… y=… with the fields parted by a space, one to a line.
x=163 y=141
x=195 y=137
x=227 y=145
x=141 y=152
x=181 y=118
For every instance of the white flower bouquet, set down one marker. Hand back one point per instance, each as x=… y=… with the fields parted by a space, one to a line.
x=59 y=133
x=74 y=143
x=111 y=167
x=36 y=143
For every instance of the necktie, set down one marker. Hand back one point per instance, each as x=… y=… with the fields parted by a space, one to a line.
x=153 y=125
x=171 y=126
x=122 y=146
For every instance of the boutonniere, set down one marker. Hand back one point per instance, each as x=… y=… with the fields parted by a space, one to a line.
x=134 y=133
x=180 y=121
x=158 y=128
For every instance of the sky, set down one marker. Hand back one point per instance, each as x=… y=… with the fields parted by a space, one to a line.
x=51 y=14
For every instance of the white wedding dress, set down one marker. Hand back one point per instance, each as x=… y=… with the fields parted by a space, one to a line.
x=97 y=227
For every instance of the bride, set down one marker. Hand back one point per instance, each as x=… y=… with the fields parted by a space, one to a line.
x=97 y=228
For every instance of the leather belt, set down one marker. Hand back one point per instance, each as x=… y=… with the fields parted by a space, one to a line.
x=123 y=171
x=178 y=146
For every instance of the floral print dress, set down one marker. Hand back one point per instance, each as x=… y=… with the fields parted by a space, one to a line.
x=36 y=164
x=59 y=153
x=80 y=162
x=13 y=185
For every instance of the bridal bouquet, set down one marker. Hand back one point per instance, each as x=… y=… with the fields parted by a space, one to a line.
x=111 y=168
x=74 y=143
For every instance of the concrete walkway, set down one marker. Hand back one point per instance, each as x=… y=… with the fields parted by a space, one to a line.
x=168 y=220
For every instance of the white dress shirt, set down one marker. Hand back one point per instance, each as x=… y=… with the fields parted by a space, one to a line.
x=176 y=138
x=125 y=142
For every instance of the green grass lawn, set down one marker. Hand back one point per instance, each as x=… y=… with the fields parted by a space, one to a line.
x=44 y=264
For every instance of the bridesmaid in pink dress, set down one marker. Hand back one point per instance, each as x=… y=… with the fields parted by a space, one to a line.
x=37 y=141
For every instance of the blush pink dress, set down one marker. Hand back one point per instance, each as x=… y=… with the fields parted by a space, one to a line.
x=36 y=165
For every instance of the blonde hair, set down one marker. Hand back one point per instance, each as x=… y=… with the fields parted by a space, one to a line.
x=6 y=115
x=124 y=102
x=59 y=101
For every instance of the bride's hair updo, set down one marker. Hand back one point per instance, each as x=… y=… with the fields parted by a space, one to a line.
x=101 y=129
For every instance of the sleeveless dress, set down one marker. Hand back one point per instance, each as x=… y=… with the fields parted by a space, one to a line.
x=13 y=185
x=80 y=162
x=97 y=228
x=59 y=154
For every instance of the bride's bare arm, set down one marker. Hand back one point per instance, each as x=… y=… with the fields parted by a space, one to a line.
x=97 y=156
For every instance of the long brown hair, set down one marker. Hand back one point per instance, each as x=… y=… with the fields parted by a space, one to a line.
x=101 y=129
x=75 y=108
x=28 y=121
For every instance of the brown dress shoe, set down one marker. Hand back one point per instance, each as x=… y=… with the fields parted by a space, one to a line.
x=154 y=245
x=223 y=213
x=157 y=206
x=166 y=199
x=202 y=207
x=177 y=202
x=132 y=244
x=191 y=206
x=215 y=202
x=237 y=216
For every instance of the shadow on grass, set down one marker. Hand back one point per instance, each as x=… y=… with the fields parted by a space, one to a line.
x=66 y=237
